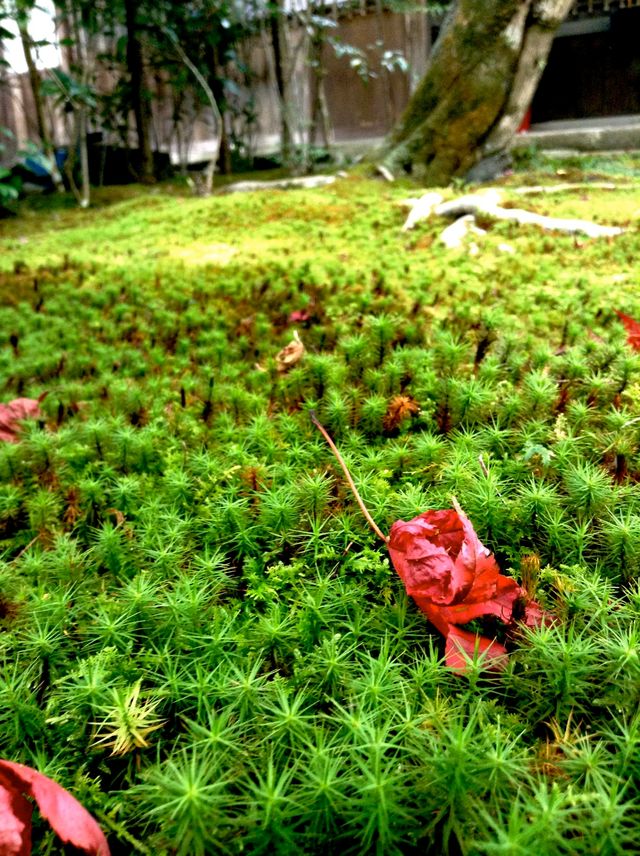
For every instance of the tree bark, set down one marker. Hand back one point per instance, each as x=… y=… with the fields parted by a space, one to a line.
x=277 y=25
x=217 y=116
x=85 y=197
x=318 y=112
x=80 y=108
x=483 y=73
x=135 y=65
x=417 y=33
x=216 y=85
x=34 y=80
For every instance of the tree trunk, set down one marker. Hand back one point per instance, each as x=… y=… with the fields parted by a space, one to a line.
x=34 y=80
x=81 y=108
x=217 y=116
x=417 y=34
x=85 y=195
x=216 y=84
x=319 y=111
x=135 y=65
x=277 y=24
x=483 y=73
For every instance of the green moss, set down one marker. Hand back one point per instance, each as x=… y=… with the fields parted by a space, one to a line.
x=175 y=523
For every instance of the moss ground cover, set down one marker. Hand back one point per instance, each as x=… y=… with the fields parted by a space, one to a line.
x=202 y=639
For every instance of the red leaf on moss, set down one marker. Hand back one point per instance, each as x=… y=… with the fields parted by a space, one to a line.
x=13 y=413
x=462 y=646
x=299 y=316
x=454 y=579
x=451 y=576
x=633 y=329
x=72 y=823
x=15 y=823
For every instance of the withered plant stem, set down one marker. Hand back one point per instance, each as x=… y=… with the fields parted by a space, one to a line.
x=456 y=506
x=347 y=474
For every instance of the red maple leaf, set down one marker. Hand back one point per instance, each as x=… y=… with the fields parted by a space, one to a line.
x=72 y=823
x=452 y=577
x=632 y=327
x=14 y=412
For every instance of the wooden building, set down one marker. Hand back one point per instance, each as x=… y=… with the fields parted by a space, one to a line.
x=594 y=66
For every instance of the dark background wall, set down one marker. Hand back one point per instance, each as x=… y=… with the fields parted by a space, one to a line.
x=593 y=74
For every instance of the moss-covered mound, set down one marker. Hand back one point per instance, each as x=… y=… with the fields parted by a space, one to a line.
x=201 y=637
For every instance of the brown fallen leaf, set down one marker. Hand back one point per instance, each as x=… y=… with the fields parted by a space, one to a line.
x=400 y=407
x=119 y=516
x=290 y=354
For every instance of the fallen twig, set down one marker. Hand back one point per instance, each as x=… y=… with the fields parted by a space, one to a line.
x=385 y=173
x=27 y=547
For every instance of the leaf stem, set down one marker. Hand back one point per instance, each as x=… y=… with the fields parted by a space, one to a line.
x=456 y=506
x=340 y=459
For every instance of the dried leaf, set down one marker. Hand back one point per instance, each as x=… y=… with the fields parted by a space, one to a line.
x=633 y=329
x=454 y=579
x=290 y=354
x=119 y=516
x=72 y=823
x=400 y=407
x=13 y=413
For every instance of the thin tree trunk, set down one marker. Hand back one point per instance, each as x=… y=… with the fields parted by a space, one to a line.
x=7 y=109
x=319 y=114
x=34 y=80
x=135 y=65
x=85 y=196
x=81 y=110
x=217 y=88
x=280 y=63
x=384 y=74
x=417 y=33
x=315 y=68
x=483 y=72
x=324 y=116
x=217 y=116
x=70 y=162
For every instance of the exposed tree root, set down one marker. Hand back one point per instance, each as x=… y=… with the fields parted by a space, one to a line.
x=488 y=204
x=454 y=235
x=485 y=204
